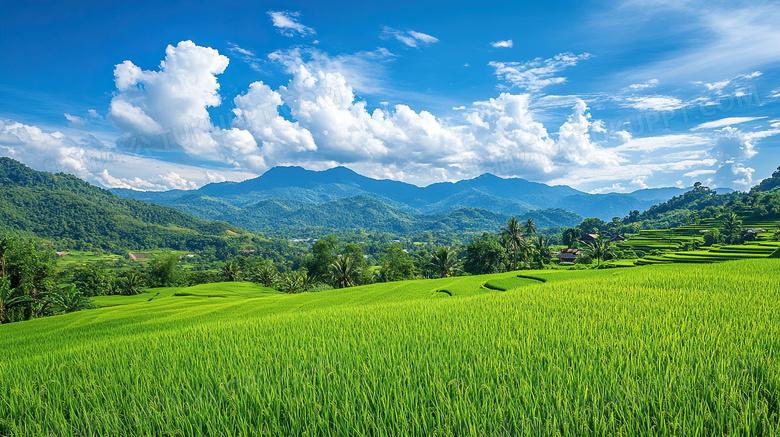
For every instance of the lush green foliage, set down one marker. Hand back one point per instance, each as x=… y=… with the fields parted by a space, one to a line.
x=76 y=215
x=661 y=350
x=484 y=255
x=29 y=280
x=397 y=265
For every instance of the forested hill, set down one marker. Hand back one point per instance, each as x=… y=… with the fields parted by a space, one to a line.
x=286 y=217
x=509 y=196
x=70 y=212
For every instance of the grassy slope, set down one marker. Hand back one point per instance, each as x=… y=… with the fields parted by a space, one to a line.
x=677 y=349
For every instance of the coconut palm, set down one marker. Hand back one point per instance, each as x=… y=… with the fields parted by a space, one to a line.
x=543 y=247
x=344 y=271
x=266 y=275
x=514 y=238
x=445 y=261
x=599 y=248
x=290 y=283
x=732 y=226
x=132 y=283
x=231 y=271
x=529 y=227
x=307 y=280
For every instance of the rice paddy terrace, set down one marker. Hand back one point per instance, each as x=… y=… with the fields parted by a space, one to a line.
x=676 y=245
x=682 y=349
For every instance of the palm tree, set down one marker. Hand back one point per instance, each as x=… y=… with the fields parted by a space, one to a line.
x=69 y=299
x=267 y=275
x=307 y=280
x=231 y=271
x=530 y=227
x=344 y=271
x=445 y=261
x=599 y=248
x=132 y=283
x=9 y=298
x=543 y=246
x=514 y=233
x=732 y=226
x=290 y=283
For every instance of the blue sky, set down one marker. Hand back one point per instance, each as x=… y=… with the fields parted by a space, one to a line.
x=602 y=96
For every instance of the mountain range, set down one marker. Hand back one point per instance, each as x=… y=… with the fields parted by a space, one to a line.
x=294 y=198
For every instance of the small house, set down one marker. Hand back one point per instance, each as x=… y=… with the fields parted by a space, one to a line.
x=589 y=238
x=617 y=238
x=569 y=255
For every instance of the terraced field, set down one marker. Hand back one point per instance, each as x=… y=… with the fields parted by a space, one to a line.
x=671 y=242
x=684 y=349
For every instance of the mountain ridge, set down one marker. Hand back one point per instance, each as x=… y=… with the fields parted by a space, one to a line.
x=509 y=196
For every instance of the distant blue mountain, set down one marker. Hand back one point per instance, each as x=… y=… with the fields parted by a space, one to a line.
x=240 y=203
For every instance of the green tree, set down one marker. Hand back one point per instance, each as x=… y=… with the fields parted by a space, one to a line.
x=483 y=255
x=9 y=298
x=231 y=271
x=712 y=236
x=514 y=239
x=94 y=280
x=397 y=265
x=30 y=270
x=445 y=261
x=291 y=283
x=345 y=271
x=570 y=237
x=307 y=281
x=69 y=299
x=543 y=250
x=28 y=273
x=266 y=275
x=599 y=248
x=592 y=225
x=732 y=227
x=529 y=227
x=324 y=254
x=130 y=283
x=422 y=263
x=163 y=271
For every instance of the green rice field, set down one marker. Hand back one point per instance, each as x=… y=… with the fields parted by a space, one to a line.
x=677 y=349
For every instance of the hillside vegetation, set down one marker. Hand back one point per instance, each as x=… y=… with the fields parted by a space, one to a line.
x=72 y=213
x=671 y=349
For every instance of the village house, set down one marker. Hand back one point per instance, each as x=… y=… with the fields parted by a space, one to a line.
x=569 y=255
x=589 y=238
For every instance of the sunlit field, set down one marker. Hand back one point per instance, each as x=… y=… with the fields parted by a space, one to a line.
x=670 y=349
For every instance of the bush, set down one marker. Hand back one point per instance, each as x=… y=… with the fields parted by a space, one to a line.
x=320 y=287
x=585 y=259
x=203 y=277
